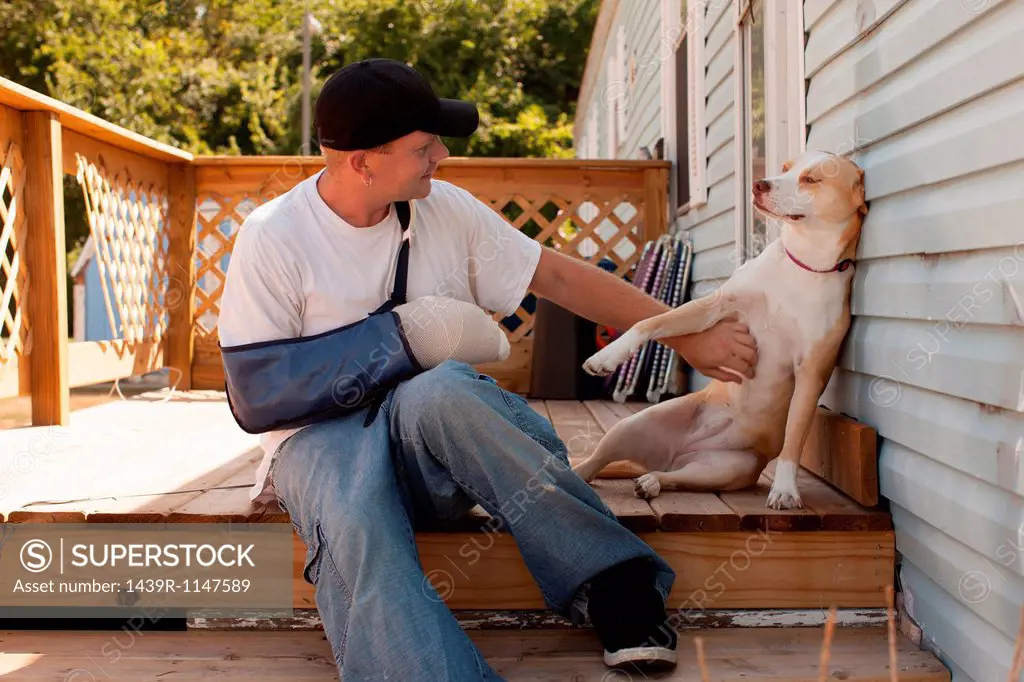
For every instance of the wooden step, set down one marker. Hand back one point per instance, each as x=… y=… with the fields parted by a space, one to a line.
x=181 y=458
x=713 y=570
x=732 y=655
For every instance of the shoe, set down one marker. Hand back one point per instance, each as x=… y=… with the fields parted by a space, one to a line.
x=628 y=613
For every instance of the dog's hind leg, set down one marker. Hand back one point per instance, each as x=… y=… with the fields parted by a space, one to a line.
x=618 y=444
x=707 y=471
x=653 y=437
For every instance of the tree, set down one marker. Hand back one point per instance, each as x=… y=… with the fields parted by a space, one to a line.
x=219 y=76
x=224 y=77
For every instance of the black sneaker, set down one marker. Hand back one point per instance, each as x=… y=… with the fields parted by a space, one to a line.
x=628 y=613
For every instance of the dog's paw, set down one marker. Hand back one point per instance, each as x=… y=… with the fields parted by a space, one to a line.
x=605 y=361
x=647 y=486
x=784 y=493
x=596 y=367
x=784 y=499
x=609 y=358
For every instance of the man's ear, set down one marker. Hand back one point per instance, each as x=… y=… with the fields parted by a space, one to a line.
x=357 y=162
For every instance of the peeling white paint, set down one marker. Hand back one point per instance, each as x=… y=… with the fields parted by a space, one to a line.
x=775 y=618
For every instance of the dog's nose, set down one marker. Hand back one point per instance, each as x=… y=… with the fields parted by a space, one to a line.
x=762 y=187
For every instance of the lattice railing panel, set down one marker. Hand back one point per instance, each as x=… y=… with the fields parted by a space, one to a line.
x=586 y=225
x=129 y=226
x=13 y=273
x=218 y=220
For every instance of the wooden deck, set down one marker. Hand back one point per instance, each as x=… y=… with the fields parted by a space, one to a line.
x=181 y=458
x=782 y=655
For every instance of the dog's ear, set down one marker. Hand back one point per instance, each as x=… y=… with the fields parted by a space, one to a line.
x=858 y=193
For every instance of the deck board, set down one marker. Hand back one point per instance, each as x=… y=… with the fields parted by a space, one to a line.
x=576 y=427
x=732 y=654
x=837 y=511
x=694 y=512
x=633 y=512
x=751 y=506
x=139 y=458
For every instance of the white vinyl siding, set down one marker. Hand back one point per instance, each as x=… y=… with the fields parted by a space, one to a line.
x=712 y=226
x=930 y=96
x=642 y=22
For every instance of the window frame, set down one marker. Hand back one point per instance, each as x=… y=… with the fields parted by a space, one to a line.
x=674 y=31
x=785 y=105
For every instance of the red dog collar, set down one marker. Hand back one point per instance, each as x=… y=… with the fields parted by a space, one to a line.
x=841 y=266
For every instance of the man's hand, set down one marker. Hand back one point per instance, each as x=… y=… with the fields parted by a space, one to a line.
x=601 y=297
x=728 y=344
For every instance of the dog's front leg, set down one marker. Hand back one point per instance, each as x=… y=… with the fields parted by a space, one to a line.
x=811 y=376
x=689 y=318
x=784 y=493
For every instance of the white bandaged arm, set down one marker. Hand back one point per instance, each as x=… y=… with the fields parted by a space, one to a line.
x=440 y=328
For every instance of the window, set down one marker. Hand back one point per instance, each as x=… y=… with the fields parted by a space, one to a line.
x=770 y=126
x=753 y=108
x=683 y=101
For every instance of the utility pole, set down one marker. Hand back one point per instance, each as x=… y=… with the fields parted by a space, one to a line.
x=307 y=28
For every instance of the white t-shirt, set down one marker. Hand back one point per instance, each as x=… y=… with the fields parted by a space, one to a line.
x=298 y=269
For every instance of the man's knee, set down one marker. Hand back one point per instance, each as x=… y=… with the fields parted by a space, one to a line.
x=441 y=390
x=450 y=375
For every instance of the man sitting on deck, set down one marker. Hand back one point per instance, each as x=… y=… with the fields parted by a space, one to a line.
x=321 y=256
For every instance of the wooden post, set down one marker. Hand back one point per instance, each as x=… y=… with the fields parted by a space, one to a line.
x=47 y=268
x=655 y=203
x=181 y=271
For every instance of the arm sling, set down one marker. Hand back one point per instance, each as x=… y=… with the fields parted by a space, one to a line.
x=294 y=382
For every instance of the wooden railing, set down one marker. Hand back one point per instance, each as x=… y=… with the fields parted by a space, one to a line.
x=163 y=224
x=129 y=184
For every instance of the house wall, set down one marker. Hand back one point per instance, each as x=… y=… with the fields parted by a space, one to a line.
x=712 y=227
x=645 y=55
x=930 y=94
x=637 y=24
x=622 y=113
x=928 y=97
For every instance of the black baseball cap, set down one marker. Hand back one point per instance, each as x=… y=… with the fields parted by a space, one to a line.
x=371 y=102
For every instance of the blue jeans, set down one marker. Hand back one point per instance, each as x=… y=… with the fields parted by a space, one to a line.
x=444 y=440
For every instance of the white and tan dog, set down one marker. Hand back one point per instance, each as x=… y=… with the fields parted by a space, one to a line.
x=794 y=298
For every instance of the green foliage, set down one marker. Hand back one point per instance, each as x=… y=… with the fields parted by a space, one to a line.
x=220 y=76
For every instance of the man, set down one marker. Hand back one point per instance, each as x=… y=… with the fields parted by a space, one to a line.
x=322 y=256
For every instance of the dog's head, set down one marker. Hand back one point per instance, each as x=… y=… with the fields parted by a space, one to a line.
x=815 y=187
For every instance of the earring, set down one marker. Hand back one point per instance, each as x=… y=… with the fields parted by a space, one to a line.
x=367 y=181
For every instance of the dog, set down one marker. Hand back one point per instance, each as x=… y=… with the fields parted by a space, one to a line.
x=795 y=299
